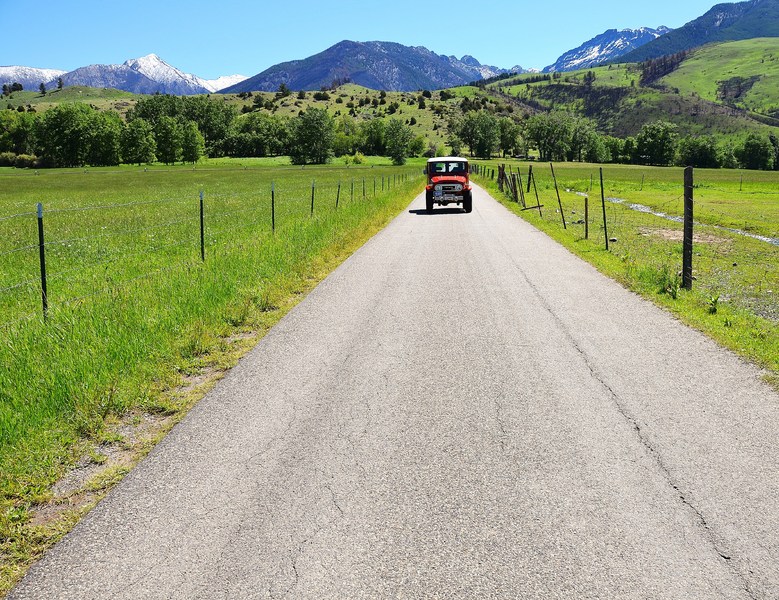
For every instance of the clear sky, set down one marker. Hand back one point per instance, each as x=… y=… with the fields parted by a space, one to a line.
x=225 y=37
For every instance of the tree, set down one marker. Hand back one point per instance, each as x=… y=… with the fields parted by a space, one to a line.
x=372 y=133
x=105 y=132
x=552 y=134
x=42 y=89
x=756 y=153
x=398 y=140
x=193 y=144
x=213 y=119
x=313 y=136
x=63 y=134
x=509 y=136
x=168 y=135
x=137 y=142
x=582 y=137
x=481 y=132
x=60 y=83
x=699 y=152
x=656 y=143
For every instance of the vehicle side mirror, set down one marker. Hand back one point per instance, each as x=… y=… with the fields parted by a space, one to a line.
x=424 y=171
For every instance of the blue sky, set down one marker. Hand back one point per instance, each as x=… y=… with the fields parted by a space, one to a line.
x=211 y=39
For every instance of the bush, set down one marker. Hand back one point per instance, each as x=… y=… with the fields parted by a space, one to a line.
x=7 y=159
x=26 y=161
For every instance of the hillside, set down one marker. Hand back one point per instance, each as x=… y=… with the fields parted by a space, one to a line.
x=620 y=106
x=376 y=65
x=724 y=22
x=743 y=74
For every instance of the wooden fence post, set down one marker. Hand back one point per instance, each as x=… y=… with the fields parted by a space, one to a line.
x=559 y=202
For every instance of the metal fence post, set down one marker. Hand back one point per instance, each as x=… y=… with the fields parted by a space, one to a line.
x=42 y=252
x=202 y=230
x=688 y=230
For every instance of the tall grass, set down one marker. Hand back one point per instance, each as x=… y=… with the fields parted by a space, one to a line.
x=132 y=305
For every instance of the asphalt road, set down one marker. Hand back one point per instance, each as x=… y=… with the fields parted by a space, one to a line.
x=462 y=410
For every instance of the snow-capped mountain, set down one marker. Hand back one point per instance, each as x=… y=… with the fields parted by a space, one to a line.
x=146 y=75
x=605 y=47
x=30 y=78
x=220 y=83
x=156 y=69
x=170 y=79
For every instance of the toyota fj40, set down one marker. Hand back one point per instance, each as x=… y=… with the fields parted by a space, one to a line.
x=448 y=183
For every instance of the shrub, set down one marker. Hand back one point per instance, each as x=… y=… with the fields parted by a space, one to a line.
x=7 y=159
x=25 y=161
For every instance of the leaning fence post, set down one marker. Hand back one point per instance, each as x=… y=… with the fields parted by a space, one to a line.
x=688 y=230
x=603 y=203
x=202 y=230
x=529 y=177
x=363 y=188
x=42 y=252
x=559 y=202
x=313 y=190
x=273 y=206
x=338 y=194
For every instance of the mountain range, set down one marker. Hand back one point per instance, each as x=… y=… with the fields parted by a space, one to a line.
x=146 y=75
x=723 y=23
x=394 y=67
x=607 y=46
x=378 y=65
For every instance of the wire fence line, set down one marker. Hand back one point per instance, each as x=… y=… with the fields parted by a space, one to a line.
x=727 y=261
x=78 y=247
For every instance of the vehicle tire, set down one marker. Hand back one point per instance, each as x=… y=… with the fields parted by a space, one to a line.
x=429 y=201
x=468 y=202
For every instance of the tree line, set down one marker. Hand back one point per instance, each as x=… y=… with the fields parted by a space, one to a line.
x=174 y=129
x=561 y=136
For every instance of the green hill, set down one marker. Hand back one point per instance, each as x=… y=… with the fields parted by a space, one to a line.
x=742 y=74
x=613 y=97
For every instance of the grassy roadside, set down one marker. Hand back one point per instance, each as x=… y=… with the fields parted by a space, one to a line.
x=86 y=395
x=735 y=296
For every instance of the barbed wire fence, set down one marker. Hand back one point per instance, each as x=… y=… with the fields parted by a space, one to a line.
x=728 y=262
x=64 y=256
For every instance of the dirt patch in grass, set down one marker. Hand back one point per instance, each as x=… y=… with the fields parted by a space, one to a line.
x=677 y=235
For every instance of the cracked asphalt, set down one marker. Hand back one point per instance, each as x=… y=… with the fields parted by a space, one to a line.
x=461 y=410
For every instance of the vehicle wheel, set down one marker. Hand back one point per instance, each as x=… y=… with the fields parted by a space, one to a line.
x=468 y=202
x=429 y=201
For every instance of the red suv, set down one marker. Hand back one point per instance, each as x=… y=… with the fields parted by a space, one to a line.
x=448 y=183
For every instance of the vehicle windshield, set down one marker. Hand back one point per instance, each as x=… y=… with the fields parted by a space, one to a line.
x=446 y=167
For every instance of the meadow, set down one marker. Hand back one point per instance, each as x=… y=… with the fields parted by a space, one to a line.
x=134 y=312
x=735 y=296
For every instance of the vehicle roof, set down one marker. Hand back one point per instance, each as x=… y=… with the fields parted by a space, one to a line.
x=443 y=158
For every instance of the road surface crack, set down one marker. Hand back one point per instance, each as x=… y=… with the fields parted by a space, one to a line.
x=633 y=422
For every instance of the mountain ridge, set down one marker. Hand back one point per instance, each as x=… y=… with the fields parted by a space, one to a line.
x=608 y=46
x=722 y=23
x=377 y=65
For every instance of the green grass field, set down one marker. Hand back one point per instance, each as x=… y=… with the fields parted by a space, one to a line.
x=735 y=297
x=134 y=312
